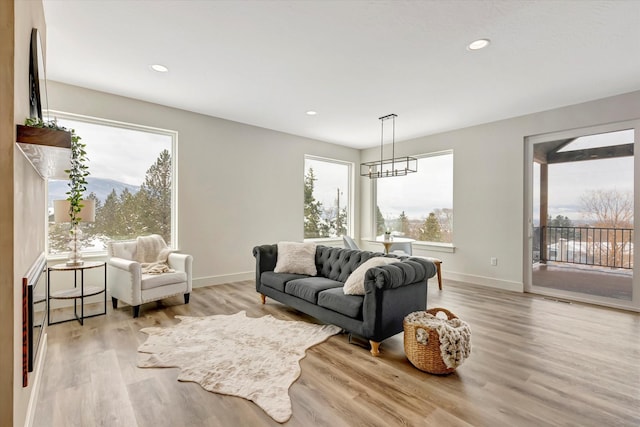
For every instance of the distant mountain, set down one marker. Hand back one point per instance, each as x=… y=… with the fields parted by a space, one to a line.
x=100 y=186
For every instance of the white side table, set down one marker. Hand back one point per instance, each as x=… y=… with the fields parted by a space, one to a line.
x=77 y=292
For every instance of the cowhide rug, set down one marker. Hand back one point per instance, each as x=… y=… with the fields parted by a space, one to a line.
x=254 y=358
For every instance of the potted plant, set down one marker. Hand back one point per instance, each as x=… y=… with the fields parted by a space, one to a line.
x=71 y=209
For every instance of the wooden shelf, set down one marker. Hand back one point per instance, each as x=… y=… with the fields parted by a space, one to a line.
x=48 y=150
x=74 y=293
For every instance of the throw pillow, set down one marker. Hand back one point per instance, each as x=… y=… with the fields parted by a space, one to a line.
x=355 y=282
x=297 y=258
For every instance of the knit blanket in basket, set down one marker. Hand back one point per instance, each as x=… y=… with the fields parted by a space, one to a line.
x=454 y=336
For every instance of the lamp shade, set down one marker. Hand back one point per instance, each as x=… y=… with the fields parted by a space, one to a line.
x=61 y=211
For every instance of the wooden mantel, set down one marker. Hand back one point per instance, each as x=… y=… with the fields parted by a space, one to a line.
x=48 y=150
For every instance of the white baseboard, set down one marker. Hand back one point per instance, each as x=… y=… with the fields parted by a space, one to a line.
x=201 y=282
x=35 y=387
x=490 y=282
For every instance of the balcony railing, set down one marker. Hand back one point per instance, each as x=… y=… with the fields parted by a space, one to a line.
x=606 y=247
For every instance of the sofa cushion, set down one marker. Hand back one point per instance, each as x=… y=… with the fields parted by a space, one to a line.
x=309 y=288
x=278 y=280
x=334 y=299
x=295 y=257
x=150 y=281
x=355 y=282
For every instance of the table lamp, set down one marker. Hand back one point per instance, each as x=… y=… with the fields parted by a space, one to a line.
x=61 y=214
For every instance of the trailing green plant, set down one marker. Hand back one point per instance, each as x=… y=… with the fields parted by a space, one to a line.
x=78 y=171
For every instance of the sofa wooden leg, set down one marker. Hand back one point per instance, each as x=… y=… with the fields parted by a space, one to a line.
x=136 y=311
x=263 y=298
x=114 y=302
x=439 y=273
x=186 y=298
x=375 y=348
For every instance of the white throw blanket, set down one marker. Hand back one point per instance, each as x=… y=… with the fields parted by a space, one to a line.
x=153 y=254
x=454 y=336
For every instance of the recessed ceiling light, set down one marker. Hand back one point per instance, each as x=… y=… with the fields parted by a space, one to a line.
x=311 y=113
x=478 y=44
x=159 y=68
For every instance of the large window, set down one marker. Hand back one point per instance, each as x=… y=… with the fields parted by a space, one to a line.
x=418 y=205
x=327 y=197
x=131 y=180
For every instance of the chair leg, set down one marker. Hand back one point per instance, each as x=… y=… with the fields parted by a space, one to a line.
x=114 y=302
x=186 y=298
x=136 y=311
x=263 y=298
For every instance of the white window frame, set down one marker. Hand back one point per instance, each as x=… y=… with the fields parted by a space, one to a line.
x=430 y=246
x=132 y=126
x=351 y=198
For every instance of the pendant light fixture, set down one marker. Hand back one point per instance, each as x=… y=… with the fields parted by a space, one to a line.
x=395 y=166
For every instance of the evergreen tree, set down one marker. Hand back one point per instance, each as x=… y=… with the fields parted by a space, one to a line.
x=430 y=231
x=404 y=224
x=341 y=223
x=155 y=198
x=89 y=228
x=565 y=233
x=380 y=225
x=559 y=221
x=107 y=217
x=58 y=237
x=313 y=226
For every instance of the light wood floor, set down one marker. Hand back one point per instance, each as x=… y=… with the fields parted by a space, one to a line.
x=534 y=362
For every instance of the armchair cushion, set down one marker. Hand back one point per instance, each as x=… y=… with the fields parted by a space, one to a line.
x=150 y=281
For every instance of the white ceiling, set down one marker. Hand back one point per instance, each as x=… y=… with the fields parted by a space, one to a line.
x=267 y=62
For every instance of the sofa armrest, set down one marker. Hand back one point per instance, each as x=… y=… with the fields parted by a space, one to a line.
x=266 y=258
x=395 y=275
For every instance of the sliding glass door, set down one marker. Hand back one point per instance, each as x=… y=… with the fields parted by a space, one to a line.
x=580 y=211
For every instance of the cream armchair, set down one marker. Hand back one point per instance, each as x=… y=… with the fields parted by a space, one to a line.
x=128 y=283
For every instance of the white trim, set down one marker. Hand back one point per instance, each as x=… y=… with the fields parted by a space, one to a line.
x=350 y=188
x=571 y=296
x=37 y=380
x=114 y=123
x=434 y=247
x=202 y=282
x=490 y=282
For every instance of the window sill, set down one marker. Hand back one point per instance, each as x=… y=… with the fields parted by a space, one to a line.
x=85 y=255
x=324 y=240
x=435 y=247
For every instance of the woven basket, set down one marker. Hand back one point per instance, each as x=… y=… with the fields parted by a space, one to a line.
x=426 y=357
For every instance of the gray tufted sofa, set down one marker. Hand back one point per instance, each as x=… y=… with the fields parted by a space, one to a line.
x=391 y=291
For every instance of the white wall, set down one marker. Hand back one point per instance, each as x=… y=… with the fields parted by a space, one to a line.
x=489 y=186
x=238 y=185
x=28 y=197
